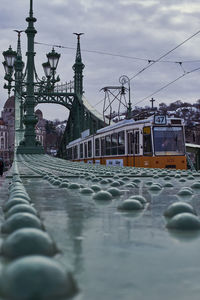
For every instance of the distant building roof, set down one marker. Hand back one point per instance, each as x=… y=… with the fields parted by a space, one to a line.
x=10 y=103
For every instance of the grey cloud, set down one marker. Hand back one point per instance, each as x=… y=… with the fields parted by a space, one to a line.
x=136 y=29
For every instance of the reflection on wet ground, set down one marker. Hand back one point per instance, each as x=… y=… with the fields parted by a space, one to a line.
x=118 y=254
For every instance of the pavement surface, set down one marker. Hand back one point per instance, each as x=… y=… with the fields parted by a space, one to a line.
x=116 y=254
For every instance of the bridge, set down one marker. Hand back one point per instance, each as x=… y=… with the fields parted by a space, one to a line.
x=82 y=116
x=78 y=231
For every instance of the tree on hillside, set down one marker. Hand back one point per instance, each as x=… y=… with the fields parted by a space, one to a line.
x=197 y=104
x=175 y=105
x=163 y=107
x=186 y=104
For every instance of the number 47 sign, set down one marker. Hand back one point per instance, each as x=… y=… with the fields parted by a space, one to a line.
x=161 y=120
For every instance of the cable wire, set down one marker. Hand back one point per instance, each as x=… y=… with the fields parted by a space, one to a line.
x=94 y=51
x=165 y=86
x=149 y=60
x=162 y=56
x=99 y=102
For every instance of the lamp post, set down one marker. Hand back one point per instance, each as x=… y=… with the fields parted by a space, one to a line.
x=8 y=64
x=25 y=84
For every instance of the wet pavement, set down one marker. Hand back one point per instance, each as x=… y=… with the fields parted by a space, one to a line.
x=117 y=254
x=2 y=179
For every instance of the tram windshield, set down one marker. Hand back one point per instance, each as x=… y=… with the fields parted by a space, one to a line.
x=168 y=141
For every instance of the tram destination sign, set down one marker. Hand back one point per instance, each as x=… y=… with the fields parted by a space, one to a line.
x=160 y=120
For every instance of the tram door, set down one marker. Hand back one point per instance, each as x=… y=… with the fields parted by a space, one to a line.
x=133 y=137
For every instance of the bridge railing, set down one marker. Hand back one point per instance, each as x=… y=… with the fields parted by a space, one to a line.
x=64 y=87
x=67 y=87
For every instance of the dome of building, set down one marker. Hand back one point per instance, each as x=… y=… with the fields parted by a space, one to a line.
x=10 y=103
x=39 y=114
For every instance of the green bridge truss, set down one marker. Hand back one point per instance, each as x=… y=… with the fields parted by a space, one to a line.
x=82 y=115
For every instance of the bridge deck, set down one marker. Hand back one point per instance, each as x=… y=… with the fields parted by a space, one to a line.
x=115 y=254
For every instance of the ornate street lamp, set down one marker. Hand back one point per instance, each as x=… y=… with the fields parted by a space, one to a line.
x=26 y=84
x=6 y=68
x=50 y=67
x=10 y=56
x=8 y=64
x=53 y=58
x=47 y=69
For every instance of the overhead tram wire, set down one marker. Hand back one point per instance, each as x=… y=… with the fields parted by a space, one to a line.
x=168 y=84
x=160 y=89
x=93 y=51
x=149 y=60
x=164 y=55
x=99 y=102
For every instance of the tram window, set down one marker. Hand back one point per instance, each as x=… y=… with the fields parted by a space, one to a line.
x=147 y=147
x=102 y=146
x=114 y=144
x=133 y=142
x=121 y=143
x=108 y=144
x=137 y=142
x=169 y=140
x=69 y=153
x=75 y=152
x=130 y=138
x=89 y=148
x=81 y=150
x=97 y=147
x=72 y=152
x=85 y=150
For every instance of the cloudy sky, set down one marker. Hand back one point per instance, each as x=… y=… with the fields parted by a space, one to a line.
x=142 y=29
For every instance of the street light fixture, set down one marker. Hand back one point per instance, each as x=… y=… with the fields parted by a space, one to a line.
x=8 y=63
x=47 y=69
x=53 y=58
x=6 y=68
x=10 y=56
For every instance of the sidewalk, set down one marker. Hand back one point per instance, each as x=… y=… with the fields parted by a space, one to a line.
x=2 y=178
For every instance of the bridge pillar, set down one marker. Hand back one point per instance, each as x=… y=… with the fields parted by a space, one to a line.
x=30 y=145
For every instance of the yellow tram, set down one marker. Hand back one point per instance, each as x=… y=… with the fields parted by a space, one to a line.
x=156 y=142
